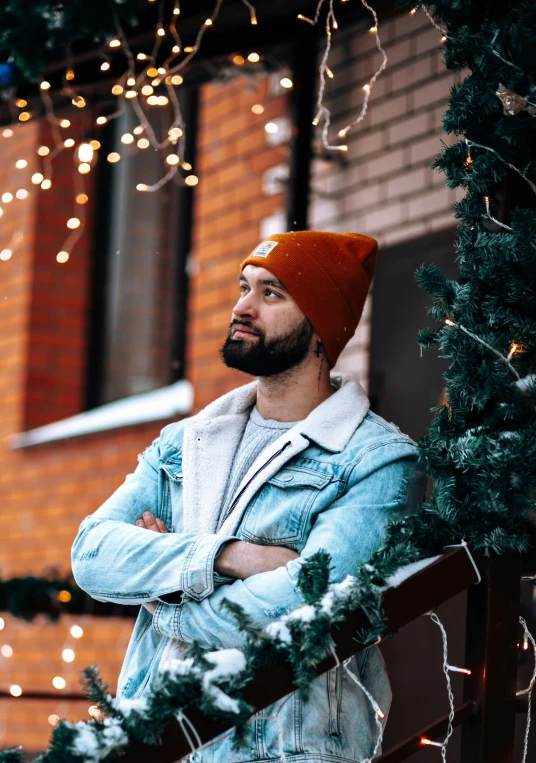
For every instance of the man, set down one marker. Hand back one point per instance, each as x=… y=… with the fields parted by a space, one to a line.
x=230 y=502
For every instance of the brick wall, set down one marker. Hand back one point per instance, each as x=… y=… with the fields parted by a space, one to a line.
x=233 y=155
x=384 y=186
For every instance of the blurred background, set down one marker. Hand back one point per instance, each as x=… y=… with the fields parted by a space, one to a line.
x=103 y=348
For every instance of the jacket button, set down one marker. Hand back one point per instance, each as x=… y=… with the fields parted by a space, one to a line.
x=198 y=588
x=288 y=477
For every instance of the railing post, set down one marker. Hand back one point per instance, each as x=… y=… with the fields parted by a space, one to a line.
x=491 y=654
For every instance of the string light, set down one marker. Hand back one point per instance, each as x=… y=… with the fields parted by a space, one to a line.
x=46 y=184
x=114 y=157
x=22 y=193
x=413 y=11
x=65 y=123
x=37 y=178
x=257 y=108
x=147 y=90
x=301 y=17
x=138 y=130
x=64 y=596
x=127 y=138
x=186 y=166
x=53 y=719
x=21 y=164
x=7 y=197
x=21 y=103
x=105 y=66
x=114 y=43
x=84 y=168
x=143 y=143
x=6 y=254
x=2 y=623
x=85 y=152
x=172 y=159
x=15 y=690
x=7 y=650
x=24 y=116
x=72 y=223
x=69 y=143
x=239 y=60
x=95 y=144
x=7 y=133
x=191 y=180
x=254 y=58
x=69 y=74
x=62 y=256
x=58 y=682
x=68 y=655
x=141 y=187
x=271 y=127
x=45 y=85
x=101 y=120
x=286 y=82
x=43 y=151
x=117 y=90
x=81 y=198
x=76 y=630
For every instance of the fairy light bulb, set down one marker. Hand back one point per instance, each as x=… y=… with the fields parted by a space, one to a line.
x=257 y=108
x=413 y=12
x=138 y=130
x=84 y=168
x=175 y=133
x=301 y=17
x=449 y=322
x=45 y=85
x=147 y=90
x=186 y=166
x=161 y=32
x=62 y=257
x=46 y=184
x=176 y=11
x=95 y=144
x=78 y=101
x=373 y=29
x=7 y=650
x=152 y=100
x=254 y=58
x=6 y=254
x=342 y=148
x=53 y=719
x=127 y=138
x=21 y=164
x=94 y=711
x=335 y=25
x=271 y=128
x=176 y=79
x=7 y=133
x=2 y=621
x=105 y=66
x=143 y=143
x=68 y=655
x=65 y=123
x=15 y=690
x=101 y=120
x=72 y=223
x=117 y=89
x=329 y=73
x=141 y=57
x=69 y=75
x=191 y=180
x=163 y=100
x=21 y=103
x=7 y=197
x=172 y=160
x=37 y=178
x=152 y=72
x=81 y=198
x=208 y=22
x=286 y=82
x=85 y=152
x=65 y=596
x=115 y=43
x=69 y=143
x=444 y=39
x=175 y=49
x=131 y=81
x=43 y=151
x=239 y=60
x=343 y=133
x=22 y=193
x=155 y=82
x=254 y=21
x=366 y=88
x=24 y=116
x=141 y=187
x=58 y=682
x=114 y=157
x=76 y=631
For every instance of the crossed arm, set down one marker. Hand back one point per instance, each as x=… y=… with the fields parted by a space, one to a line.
x=237 y=559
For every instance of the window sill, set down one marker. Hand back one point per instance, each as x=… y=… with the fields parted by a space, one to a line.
x=164 y=403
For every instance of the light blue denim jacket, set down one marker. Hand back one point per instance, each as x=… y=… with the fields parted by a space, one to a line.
x=331 y=482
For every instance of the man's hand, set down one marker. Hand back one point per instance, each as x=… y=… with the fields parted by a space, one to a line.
x=239 y=559
x=149 y=522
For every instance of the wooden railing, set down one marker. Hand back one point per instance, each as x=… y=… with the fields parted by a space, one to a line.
x=487 y=713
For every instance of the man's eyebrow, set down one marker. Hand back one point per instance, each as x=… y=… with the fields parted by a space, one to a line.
x=267 y=282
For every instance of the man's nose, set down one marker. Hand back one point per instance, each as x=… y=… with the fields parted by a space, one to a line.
x=245 y=307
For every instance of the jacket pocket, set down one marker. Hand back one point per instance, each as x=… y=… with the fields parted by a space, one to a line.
x=280 y=511
x=171 y=491
x=334 y=689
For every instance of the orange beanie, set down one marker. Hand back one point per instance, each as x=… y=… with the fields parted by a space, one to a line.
x=327 y=274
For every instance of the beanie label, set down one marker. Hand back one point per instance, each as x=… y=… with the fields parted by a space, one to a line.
x=264 y=249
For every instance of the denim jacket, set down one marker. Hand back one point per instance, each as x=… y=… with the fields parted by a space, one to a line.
x=330 y=482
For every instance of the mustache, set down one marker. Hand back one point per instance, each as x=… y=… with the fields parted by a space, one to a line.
x=244 y=324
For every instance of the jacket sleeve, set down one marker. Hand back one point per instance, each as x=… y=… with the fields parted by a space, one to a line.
x=350 y=529
x=115 y=561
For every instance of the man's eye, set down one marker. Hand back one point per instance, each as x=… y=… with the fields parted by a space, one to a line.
x=269 y=291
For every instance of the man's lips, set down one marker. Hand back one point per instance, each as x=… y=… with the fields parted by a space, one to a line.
x=243 y=330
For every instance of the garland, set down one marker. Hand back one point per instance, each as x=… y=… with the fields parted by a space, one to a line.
x=481 y=446
x=35 y=33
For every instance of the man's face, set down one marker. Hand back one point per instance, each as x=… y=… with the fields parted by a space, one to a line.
x=268 y=334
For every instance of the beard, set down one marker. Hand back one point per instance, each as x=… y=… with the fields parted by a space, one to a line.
x=267 y=357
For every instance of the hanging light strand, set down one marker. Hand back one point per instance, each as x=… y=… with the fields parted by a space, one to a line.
x=528 y=691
